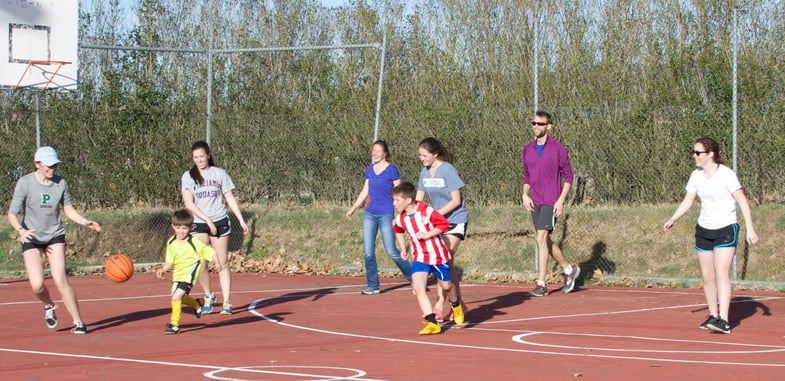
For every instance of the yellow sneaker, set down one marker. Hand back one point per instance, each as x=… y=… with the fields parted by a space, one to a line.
x=457 y=314
x=430 y=329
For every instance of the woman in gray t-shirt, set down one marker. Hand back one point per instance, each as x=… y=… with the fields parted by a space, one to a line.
x=440 y=181
x=204 y=188
x=40 y=194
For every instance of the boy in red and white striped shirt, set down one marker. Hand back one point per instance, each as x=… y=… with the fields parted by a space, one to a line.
x=425 y=226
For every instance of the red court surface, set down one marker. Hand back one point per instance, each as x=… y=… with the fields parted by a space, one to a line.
x=297 y=328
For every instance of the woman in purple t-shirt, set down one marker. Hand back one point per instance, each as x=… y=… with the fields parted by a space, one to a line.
x=380 y=178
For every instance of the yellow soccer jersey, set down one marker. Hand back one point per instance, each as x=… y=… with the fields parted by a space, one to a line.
x=185 y=256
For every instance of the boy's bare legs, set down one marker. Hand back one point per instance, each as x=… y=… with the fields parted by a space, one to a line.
x=419 y=283
x=455 y=305
x=455 y=276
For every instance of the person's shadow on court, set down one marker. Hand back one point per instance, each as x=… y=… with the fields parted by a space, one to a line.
x=243 y=318
x=131 y=317
x=743 y=307
x=201 y=324
x=496 y=307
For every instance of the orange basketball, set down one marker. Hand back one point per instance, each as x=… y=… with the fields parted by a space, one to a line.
x=119 y=268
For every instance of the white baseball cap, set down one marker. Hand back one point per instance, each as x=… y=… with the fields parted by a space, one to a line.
x=47 y=155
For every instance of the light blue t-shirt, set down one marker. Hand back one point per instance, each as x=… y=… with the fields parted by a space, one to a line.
x=439 y=186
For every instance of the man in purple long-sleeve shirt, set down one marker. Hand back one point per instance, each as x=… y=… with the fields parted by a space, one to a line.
x=545 y=164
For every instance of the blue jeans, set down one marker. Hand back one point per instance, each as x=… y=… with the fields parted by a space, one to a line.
x=371 y=223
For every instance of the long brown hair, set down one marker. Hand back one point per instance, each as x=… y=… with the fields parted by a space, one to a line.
x=435 y=147
x=195 y=174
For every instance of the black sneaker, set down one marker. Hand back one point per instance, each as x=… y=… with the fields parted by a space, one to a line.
x=171 y=329
x=719 y=325
x=198 y=310
x=79 y=329
x=539 y=291
x=569 y=279
x=49 y=316
x=705 y=324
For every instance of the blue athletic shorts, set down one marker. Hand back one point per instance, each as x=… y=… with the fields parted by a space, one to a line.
x=442 y=271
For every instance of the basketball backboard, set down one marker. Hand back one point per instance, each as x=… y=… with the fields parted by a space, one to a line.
x=39 y=44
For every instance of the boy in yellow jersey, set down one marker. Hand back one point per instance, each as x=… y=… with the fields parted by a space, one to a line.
x=186 y=256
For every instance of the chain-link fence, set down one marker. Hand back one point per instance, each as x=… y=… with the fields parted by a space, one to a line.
x=317 y=161
x=631 y=88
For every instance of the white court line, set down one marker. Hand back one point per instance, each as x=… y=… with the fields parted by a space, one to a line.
x=519 y=339
x=358 y=374
x=252 y=309
x=211 y=368
x=308 y=291
x=753 y=299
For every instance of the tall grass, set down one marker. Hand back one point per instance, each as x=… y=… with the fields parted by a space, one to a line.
x=610 y=241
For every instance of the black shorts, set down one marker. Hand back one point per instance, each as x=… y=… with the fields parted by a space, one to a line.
x=710 y=239
x=222 y=226
x=543 y=217
x=36 y=244
x=182 y=286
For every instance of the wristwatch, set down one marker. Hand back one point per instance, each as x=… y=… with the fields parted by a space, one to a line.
x=19 y=229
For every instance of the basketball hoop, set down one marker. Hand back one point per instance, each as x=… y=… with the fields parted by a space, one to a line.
x=37 y=64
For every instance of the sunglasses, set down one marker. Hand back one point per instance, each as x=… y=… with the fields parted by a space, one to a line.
x=698 y=153
x=539 y=123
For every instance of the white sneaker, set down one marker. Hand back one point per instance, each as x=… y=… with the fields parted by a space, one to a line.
x=569 y=279
x=49 y=316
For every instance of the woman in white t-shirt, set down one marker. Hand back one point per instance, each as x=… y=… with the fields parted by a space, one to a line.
x=717 y=231
x=204 y=188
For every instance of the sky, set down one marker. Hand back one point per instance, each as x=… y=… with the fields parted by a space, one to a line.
x=334 y=3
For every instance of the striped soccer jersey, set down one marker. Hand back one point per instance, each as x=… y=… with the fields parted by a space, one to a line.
x=432 y=251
